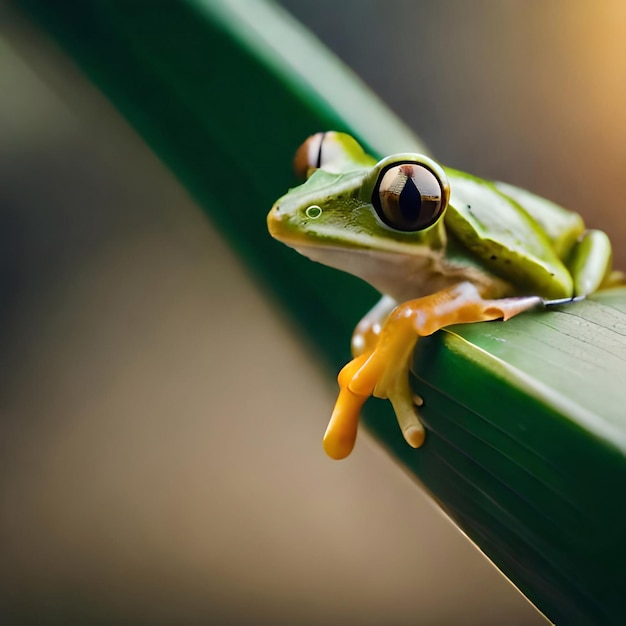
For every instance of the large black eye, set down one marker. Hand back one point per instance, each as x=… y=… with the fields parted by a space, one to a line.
x=408 y=197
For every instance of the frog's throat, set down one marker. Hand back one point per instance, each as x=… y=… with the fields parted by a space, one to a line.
x=404 y=276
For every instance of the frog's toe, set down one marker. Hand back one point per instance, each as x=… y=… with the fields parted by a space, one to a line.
x=415 y=435
x=403 y=402
x=366 y=378
x=340 y=435
x=342 y=429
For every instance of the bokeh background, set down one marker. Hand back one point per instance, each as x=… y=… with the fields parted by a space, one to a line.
x=160 y=422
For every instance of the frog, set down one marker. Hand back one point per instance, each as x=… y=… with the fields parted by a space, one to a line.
x=442 y=247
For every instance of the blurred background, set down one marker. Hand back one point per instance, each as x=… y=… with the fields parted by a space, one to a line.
x=138 y=483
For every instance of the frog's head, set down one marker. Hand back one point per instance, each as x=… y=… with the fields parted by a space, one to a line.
x=354 y=213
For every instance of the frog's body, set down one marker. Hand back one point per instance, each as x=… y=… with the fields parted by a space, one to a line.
x=441 y=246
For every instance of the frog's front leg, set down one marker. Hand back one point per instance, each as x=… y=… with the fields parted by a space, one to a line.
x=368 y=329
x=343 y=425
x=384 y=370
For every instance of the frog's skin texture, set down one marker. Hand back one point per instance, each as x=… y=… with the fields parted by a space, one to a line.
x=441 y=246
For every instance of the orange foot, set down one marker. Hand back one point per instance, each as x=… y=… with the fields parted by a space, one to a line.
x=383 y=370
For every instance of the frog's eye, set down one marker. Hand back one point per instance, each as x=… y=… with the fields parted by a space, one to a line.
x=309 y=155
x=330 y=151
x=409 y=197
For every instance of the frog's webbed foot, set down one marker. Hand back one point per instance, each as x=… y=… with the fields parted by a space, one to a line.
x=344 y=422
x=383 y=371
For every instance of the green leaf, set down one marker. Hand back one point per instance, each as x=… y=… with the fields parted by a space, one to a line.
x=526 y=449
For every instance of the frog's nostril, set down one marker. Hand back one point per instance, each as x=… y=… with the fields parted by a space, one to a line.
x=274 y=220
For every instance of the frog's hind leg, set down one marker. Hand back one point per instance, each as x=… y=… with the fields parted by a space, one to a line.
x=590 y=263
x=384 y=371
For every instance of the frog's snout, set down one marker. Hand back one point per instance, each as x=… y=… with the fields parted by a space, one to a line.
x=284 y=224
x=274 y=221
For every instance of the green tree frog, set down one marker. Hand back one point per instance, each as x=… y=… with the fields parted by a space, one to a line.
x=443 y=247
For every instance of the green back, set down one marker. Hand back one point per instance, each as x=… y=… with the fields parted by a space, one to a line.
x=505 y=237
